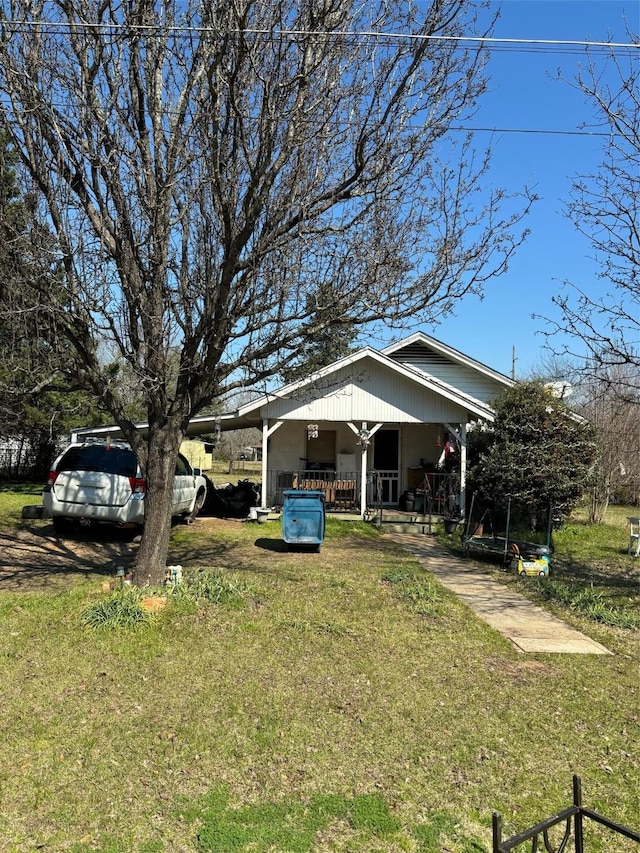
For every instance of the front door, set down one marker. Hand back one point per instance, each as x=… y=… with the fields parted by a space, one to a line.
x=386 y=461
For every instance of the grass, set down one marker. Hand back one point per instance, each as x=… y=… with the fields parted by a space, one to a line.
x=593 y=578
x=218 y=469
x=340 y=702
x=13 y=497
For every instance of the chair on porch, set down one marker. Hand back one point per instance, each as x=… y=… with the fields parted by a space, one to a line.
x=345 y=494
x=316 y=484
x=634 y=536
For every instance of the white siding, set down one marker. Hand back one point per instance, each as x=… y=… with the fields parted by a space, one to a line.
x=288 y=444
x=464 y=378
x=366 y=391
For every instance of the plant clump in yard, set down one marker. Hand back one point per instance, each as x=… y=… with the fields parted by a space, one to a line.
x=131 y=607
x=214 y=587
x=120 y=609
x=591 y=602
x=418 y=592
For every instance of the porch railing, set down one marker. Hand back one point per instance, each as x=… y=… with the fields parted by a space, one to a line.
x=573 y=820
x=341 y=488
x=437 y=493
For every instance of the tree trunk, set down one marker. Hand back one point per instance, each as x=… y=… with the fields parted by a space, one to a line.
x=598 y=504
x=159 y=472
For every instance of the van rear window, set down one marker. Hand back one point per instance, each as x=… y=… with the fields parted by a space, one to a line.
x=111 y=460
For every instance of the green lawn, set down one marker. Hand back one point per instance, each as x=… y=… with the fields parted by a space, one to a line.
x=339 y=702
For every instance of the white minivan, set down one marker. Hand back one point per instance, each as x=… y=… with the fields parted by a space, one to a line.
x=101 y=482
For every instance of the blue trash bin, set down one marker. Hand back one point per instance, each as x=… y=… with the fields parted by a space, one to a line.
x=303 y=518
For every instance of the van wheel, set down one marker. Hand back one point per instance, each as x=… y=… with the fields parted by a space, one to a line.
x=197 y=506
x=63 y=525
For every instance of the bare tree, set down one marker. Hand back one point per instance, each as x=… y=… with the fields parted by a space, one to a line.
x=207 y=167
x=615 y=472
x=614 y=418
x=604 y=327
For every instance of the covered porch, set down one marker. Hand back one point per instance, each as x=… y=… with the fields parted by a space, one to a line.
x=362 y=468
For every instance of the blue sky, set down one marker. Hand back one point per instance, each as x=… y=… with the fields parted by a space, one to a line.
x=525 y=97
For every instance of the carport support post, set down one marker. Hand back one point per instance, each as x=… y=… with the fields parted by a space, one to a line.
x=266 y=432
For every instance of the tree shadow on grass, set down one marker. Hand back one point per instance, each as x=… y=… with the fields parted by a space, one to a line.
x=617 y=576
x=34 y=557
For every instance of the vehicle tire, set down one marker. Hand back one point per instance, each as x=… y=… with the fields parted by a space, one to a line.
x=63 y=525
x=197 y=506
x=32 y=511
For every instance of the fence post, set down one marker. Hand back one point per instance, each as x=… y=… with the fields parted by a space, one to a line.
x=577 y=820
x=497 y=832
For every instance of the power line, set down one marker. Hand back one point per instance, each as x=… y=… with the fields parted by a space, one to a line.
x=518 y=45
x=482 y=41
x=532 y=130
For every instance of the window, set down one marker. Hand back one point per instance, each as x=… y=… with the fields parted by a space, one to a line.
x=321 y=451
x=99 y=457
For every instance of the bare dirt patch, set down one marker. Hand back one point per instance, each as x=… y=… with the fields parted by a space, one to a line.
x=34 y=557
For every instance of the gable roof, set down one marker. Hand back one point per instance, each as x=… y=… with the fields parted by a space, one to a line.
x=395 y=359
x=422 y=348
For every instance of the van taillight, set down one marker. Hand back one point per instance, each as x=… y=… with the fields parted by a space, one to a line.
x=138 y=485
x=52 y=478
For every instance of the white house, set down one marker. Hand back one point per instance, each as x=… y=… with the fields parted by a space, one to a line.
x=370 y=427
x=375 y=424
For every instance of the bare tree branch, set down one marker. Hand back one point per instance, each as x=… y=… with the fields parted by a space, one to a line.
x=603 y=326
x=208 y=167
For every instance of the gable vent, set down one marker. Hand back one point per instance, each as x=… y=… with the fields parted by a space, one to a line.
x=419 y=356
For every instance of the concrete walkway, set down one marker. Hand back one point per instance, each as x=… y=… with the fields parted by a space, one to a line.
x=527 y=626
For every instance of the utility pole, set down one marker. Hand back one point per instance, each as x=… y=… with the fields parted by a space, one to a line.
x=513 y=363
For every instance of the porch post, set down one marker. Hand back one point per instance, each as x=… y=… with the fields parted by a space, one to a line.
x=463 y=468
x=266 y=432
x=265 y=466
x=364 y=435
x=363 y=475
